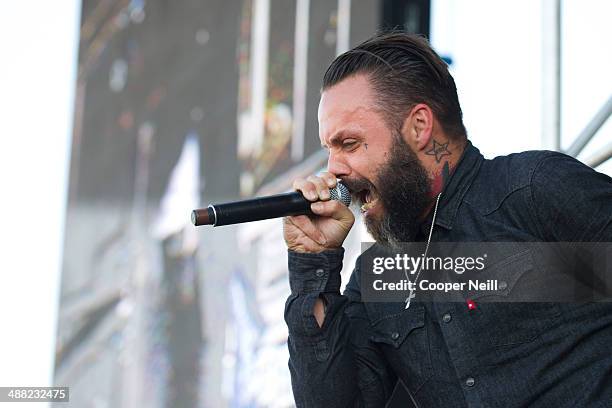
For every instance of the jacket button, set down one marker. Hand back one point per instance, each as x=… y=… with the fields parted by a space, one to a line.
x=503 y=285
x=470 y=382
x=395 y=335
x=446 y=318
x=319 y=273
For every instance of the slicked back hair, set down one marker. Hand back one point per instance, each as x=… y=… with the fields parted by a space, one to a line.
x=404 y=71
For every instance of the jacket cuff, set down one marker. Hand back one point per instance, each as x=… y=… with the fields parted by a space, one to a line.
x=320 y=272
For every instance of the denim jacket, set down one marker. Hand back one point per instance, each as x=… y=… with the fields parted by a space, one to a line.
x=499 y=355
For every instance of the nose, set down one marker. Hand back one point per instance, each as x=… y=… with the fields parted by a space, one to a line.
x=336 y=165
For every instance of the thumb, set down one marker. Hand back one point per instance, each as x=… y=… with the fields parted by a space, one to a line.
x=334 y=209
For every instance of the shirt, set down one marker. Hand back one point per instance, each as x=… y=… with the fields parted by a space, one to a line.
x=498 y=355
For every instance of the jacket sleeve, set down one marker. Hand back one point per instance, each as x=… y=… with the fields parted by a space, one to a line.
x=334 y=365
x=571 y=201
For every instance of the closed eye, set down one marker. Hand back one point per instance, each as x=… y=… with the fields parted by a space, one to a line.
x=350 y=144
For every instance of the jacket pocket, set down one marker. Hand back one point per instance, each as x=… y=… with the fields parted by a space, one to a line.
x=401 y=334
x=505 y=317
x=506 y=273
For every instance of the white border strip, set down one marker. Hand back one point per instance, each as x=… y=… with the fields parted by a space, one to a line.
x=300 y=72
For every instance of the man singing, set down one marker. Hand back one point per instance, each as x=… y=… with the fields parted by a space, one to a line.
x=390 y=118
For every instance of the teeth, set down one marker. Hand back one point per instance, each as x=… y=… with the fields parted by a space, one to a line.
x=365 y=207
x=369 y=199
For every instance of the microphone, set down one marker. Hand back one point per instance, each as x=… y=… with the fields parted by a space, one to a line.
x=263 y=208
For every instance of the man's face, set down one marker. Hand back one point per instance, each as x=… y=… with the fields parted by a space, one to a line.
x=384 y=175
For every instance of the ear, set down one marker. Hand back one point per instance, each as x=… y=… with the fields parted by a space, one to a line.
x=418 y=127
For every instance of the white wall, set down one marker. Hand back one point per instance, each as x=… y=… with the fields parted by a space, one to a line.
x=495 y=47
x=38 y=42
x=497 y=51
x=587 y=70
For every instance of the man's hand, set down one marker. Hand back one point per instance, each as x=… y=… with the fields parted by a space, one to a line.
x=328 y=228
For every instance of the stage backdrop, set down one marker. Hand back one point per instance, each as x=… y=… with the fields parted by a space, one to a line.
x=180 y=104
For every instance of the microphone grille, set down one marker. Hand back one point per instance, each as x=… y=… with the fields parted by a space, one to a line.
x=341 y=193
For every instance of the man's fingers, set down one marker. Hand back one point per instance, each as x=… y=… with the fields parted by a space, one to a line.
x=333 y=209
x=329 y=179
x=316 y=188
x=308 y=189
x=304 y=224
x=321 y=186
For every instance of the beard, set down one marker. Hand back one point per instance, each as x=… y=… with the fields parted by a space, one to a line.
x=403 y=190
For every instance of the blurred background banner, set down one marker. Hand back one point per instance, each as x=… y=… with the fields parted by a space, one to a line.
x=179 y=104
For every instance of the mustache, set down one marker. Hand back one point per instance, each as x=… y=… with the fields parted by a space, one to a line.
x=355 y=186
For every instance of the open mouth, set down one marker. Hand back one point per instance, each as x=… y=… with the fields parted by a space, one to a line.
x=367 y=198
